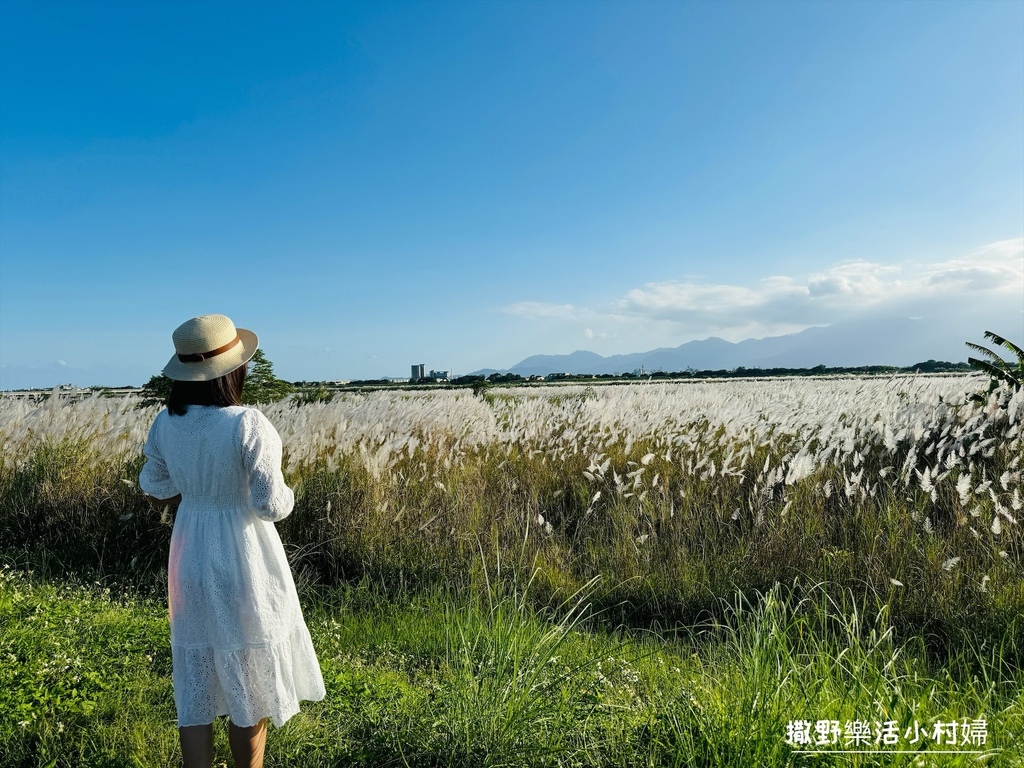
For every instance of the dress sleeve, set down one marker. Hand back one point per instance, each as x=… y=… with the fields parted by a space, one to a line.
x=270 y=498
x=154 y=478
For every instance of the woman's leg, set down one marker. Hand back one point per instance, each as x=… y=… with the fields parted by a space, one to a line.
x=197 y=745
x=247 y=744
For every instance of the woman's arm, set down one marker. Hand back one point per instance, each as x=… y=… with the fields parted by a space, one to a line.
x=154 y=479
x=271 y=500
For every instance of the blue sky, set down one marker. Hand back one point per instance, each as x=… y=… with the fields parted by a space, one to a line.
x=464 y=184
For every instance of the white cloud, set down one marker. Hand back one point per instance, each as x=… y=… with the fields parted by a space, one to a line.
x=783 y=303
x=989 y=281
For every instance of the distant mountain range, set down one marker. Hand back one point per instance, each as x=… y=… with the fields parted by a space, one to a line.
x=879 y=341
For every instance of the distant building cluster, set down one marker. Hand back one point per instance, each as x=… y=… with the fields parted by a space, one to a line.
x=419 y=374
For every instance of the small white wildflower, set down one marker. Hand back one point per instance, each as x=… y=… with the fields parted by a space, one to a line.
x=950 y=564
x=896 y=582
x=984 y=583
x=997 y=527
x=647 y=459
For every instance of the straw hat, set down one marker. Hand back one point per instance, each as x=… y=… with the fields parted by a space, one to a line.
x=207 y=347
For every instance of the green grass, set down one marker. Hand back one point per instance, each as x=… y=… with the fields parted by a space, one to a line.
x=438 y=679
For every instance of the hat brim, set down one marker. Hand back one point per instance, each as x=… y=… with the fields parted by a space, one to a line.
x=215 y=367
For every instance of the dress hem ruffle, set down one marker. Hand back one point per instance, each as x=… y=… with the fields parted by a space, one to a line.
x=246 y=684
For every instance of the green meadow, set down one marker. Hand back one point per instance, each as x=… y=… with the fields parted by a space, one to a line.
x=741 y=573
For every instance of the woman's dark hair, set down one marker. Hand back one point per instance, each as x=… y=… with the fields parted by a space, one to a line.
x=227 y=390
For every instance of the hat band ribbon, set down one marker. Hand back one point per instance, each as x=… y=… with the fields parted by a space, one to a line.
x=198 y=357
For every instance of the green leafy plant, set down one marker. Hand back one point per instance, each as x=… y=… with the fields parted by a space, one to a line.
x=1001 y=371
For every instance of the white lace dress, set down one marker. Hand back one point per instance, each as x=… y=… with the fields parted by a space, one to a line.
x=239 y=644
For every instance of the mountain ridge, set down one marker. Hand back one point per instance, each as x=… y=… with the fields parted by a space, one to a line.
x=852 y=344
